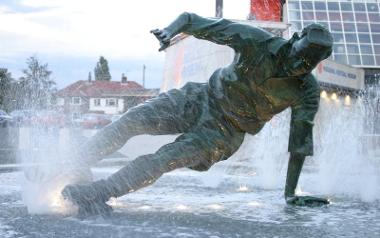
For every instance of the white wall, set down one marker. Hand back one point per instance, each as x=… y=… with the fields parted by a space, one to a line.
x=60 y=101
x=120 y=105
x=193 y=60
x=118 y=108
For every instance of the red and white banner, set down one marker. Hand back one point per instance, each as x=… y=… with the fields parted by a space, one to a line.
x=266 y=10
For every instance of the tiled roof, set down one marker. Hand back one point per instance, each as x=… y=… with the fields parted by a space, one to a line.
x=84 y=88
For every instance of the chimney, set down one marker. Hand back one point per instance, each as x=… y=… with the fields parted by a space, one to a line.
x=89 y=79
x=219 y=9
x=123 y=78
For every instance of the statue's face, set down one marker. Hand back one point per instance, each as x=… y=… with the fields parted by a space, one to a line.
x=303 y=58
x=306 y=52
x=297 y=65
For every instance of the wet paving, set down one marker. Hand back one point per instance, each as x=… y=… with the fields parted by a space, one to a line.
x=188 y=204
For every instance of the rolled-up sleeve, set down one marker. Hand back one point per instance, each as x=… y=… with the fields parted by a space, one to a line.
x=302 y=118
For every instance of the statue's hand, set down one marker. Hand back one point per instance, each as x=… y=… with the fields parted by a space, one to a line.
x=163 y=37
x=306 y=201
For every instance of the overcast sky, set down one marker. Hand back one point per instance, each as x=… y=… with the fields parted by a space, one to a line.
x=70 y=35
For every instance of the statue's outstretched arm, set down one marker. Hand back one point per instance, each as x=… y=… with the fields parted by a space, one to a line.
x=219 y=31
x=165 y=35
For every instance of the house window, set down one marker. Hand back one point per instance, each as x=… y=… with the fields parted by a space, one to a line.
x=97 y=102
x=111 y=102
x=76 y=100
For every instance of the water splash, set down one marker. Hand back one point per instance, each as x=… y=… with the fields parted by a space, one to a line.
x=343 y=164
x=346 y=161
x=47 y=169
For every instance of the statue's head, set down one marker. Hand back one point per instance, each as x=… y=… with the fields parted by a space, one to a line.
x=313 y=46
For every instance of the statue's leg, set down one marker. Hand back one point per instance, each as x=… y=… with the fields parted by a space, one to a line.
x=90 y=198
x=198 y=149
x=207 y=138
x=169 y=113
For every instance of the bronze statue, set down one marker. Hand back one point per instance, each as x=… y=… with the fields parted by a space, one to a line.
x=267 y=75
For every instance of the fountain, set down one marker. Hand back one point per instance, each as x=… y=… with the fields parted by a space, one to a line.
x=44 y=156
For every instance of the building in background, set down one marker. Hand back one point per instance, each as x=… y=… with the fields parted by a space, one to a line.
x=103 y=97
x=354 y=24
x=189 y=59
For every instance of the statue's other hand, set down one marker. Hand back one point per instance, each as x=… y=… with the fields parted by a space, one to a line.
x=163 y=36
x=307 y=201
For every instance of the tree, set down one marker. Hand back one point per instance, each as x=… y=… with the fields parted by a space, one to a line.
x=101 y=70
x=36 y=87
x=89 y=77
x=5 y=88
